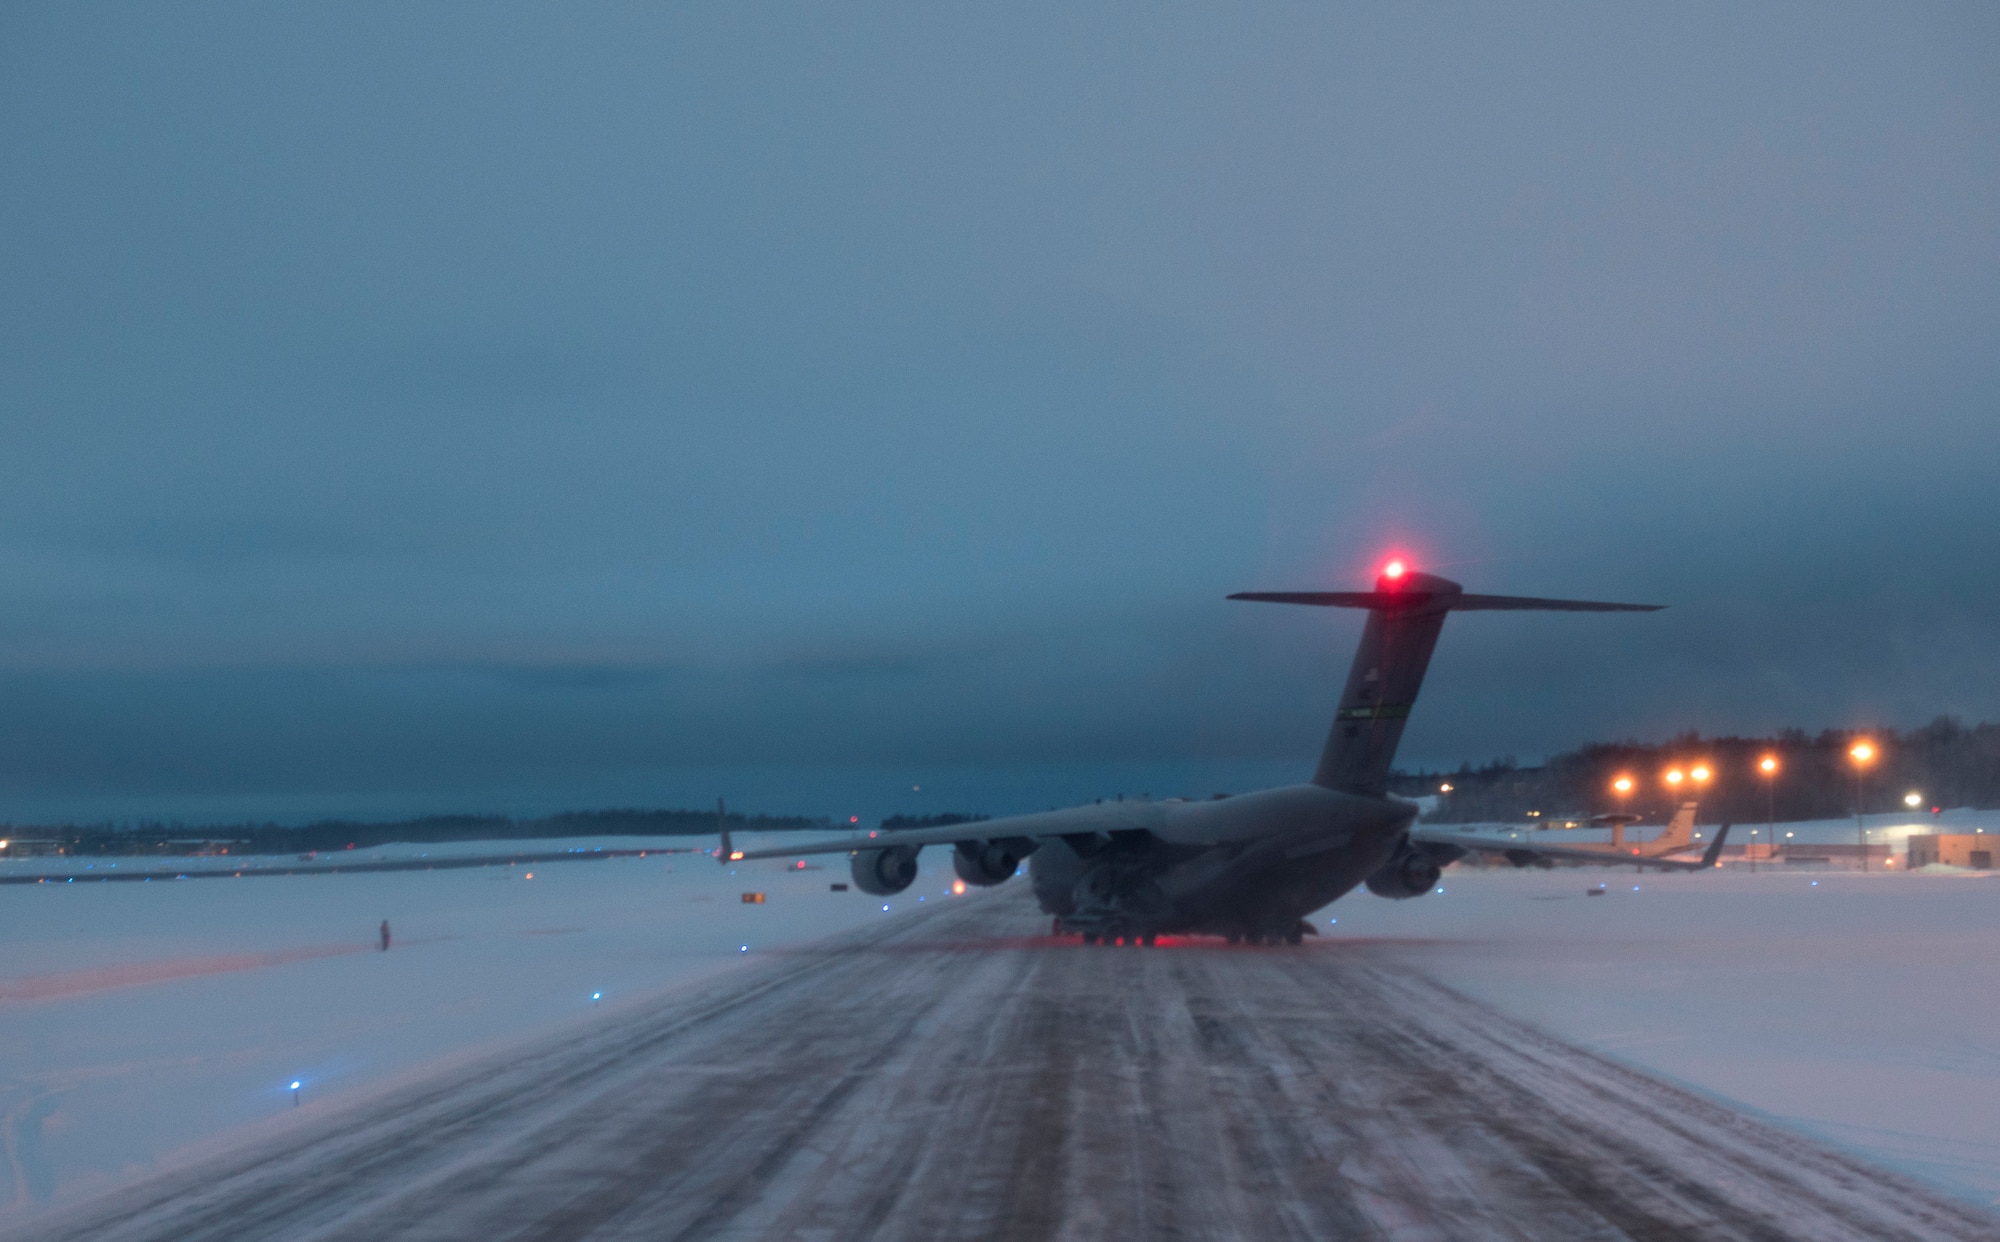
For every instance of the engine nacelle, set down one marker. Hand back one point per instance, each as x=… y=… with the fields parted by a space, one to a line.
x=985 y=863
x=1414 y=871
x=886 y=872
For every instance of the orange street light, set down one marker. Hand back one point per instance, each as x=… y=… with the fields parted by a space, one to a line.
x=1700 y=773
x=1863 y=753
x=1768 y=765
x=1674 y=778
x=1622 y=785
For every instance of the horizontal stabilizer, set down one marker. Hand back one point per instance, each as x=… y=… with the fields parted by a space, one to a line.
x=1390 y=601
x=1406 y=610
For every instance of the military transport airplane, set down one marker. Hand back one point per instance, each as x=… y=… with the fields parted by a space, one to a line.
x=1249 y=867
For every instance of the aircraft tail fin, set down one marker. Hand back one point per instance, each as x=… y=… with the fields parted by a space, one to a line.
x=1678 y=834
x=1406 y=611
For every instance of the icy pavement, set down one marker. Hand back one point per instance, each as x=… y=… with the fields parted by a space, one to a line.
x=1861 y=1008
x=953 y=1075
x=143 y=1025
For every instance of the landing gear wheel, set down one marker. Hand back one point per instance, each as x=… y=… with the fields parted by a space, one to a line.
x=1150 y=939
x=1090 y=937
x=1295 y=936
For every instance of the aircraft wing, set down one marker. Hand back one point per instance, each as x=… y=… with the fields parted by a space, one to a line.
x=1521 y=853
x=1452 y=603
x=950 y=834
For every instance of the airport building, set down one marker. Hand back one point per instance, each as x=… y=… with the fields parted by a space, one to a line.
x=24 y=847
x=1874 y=855
x=1955 y=849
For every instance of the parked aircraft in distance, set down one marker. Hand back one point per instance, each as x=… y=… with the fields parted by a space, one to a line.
x=1523 y=850
x=1249 y=867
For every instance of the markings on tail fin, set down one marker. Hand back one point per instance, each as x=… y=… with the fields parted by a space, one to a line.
x=1405 y=612
x=1378 y=711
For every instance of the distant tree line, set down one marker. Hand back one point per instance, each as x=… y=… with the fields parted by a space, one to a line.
x=946 y=819
x=334 y=834
x=1950 y=764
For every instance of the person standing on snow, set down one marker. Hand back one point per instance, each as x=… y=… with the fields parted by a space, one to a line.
x=385 y=935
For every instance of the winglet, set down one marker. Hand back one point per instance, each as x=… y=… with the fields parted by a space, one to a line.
x=728 y=853
x=1714 y=850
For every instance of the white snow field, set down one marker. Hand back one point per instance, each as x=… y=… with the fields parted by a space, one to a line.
x=144 y=1025
x=138 y=1020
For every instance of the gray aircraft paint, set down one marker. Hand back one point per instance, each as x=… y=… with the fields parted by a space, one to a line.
x=1250 y=866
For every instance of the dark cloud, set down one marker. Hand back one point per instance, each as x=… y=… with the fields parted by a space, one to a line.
x=424 y=398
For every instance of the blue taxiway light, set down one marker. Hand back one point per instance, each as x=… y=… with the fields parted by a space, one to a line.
x=295 y=1085
x=743 y=948
x=596 y=996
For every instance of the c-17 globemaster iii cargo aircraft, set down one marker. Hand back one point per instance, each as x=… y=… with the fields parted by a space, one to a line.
x=1249 y=867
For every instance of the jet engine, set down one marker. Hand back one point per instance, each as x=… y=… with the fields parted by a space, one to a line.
x=986 y=863
x=886 y=872
x=1413 y=872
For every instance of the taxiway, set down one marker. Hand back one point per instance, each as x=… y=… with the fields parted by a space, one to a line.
x=955 y=1074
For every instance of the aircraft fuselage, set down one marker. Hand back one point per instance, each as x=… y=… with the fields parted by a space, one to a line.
x=1250 y=866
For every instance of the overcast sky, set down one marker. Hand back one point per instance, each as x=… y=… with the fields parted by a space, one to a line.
x=426 y=397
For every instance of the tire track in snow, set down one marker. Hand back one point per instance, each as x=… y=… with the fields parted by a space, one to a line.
x=947 y=1075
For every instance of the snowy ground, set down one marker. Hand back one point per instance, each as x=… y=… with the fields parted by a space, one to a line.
x=1862 y=1009
x=141 y=1021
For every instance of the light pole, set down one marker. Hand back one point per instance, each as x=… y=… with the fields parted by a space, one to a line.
x=1768 y=765
x=1700 y=774
x=1863 y=753
x=1621 y=786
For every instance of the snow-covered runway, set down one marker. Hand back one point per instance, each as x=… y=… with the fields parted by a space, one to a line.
x=952 y=1074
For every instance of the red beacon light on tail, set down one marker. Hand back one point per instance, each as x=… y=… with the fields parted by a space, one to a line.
x=1393 y=574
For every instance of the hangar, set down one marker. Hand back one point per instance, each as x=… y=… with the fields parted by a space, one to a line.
x=1954 y=849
